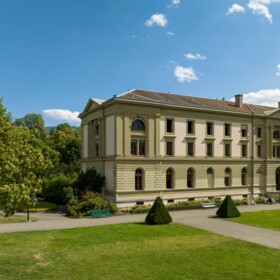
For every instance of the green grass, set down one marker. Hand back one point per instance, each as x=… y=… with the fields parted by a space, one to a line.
x=13 y=219
x=265 y=219
x=133 y=251
x=42 y=206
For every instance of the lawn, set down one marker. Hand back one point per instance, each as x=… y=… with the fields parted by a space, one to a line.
x=13 y=219
x=133 y=251
x=265 y=219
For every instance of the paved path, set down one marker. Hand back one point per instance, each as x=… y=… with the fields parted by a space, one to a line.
x=195 y=218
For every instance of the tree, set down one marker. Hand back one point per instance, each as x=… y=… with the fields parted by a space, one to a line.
x=22 y=165
x=158 y=214
x=228 y=209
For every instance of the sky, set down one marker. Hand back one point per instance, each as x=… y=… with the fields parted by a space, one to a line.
x=56 y=54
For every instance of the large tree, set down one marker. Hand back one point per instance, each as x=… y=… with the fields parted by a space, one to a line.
x=22 y=165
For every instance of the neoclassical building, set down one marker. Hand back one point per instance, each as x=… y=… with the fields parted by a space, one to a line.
x=150 y=144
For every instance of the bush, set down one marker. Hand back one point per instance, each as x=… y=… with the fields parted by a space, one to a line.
x=58 y=189
x=228 y=209
x=84 y=207
x=158 y=214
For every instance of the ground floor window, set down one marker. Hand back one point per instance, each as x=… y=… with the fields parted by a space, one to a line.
x=210 y=177
x=169 y=178
x=244 y=176
x=139 y=179
x=227 y=177
x=190 y=178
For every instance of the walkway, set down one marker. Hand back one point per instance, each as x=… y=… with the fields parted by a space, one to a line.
x=195 y=218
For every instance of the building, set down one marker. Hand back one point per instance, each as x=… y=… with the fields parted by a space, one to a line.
x=150 y=144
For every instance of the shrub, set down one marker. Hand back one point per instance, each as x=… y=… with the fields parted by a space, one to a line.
x=158 y=214
x=228 y=209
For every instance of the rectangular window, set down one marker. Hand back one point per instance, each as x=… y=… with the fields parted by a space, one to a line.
x=259 y=151
x=209 y=128
x=227 y=150
x=169 y=126
x=169 y=148
x=209 y=149
x=97 y=149
x=259 y=132
x=190 y=151
x=190 y=127
x=142 y=147
x=244 y=150
x=276 y=151
x=227 y=129
x=244 y=131
x=134 y=147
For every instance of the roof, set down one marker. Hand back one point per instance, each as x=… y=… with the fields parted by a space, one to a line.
x=190 y=101
x=98 y=100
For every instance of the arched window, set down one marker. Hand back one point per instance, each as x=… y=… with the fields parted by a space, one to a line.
x=210 y=177
x=227 y=177
x=138 y=124
x=169 y=178
x=190 y=178
x=139 y=179
x=276 y=134
x=244 y=176
x=277 y=178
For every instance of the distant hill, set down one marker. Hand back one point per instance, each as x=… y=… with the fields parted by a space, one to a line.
x=49 y=128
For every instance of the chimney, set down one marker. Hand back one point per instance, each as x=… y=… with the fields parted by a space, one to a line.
x=239 y=100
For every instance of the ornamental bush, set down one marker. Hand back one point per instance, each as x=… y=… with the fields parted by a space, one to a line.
x=158 y=214
x=228 y=209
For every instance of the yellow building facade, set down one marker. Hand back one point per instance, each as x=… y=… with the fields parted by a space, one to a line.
x=150 y=144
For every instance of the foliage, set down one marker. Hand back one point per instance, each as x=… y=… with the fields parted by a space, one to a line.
x=158 y=214
x=89 y=181
x=22 y=165
x=87 y=204
x=58 y=189
x=228 y=209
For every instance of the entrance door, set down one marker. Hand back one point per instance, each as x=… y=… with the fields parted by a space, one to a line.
x=277 y=178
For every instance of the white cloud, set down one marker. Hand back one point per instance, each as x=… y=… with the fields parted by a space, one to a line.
x=174 y=3
x=265 y=97
x=62 y=115
x=185 y=74
x=235 y=8
x=157 y=19
x=278 y=71
x=259 y=8
x=194 y=56
x=169 y=33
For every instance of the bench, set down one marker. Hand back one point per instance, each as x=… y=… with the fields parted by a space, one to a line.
x=100 y=213
x=208 y=205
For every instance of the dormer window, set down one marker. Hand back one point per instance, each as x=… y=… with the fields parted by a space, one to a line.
x=138 y=125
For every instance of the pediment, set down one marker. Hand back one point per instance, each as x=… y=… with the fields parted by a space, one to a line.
x=93 y=104
x=273 y=113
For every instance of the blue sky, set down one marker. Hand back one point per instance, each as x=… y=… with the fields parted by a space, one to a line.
x=56 y=54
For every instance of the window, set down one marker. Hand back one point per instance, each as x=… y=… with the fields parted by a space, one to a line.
x=209 y=149
x=227 y=149
x=97 y=129
x=169 y=178
x=138 y=147
x=276 y=135
x=190 y=127
x=259 y=151
x=97 y=149
x=169 y=126
x=276 y=151
x=169 y=148
x=138 y=125
x=190 y=178
x=138 y=179
x=244 y=176
x=209 y=128
x=227 y=177
x=190 y=148
x=259 y=132
x=227 y=129
x=244 y=150
x=244 y=131
x=210 y=177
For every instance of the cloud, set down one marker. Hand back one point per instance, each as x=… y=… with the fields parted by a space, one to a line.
x=194 y=56
x=62 y=115
x=185 y=74
x=278 y=71
x=259 y=8
x=169 y=33
x=235 y=8
x=265 y=97
x=174 y=3
x=157 y=19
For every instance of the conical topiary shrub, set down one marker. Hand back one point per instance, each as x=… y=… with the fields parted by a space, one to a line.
x=228 y=209
x=158 y=214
